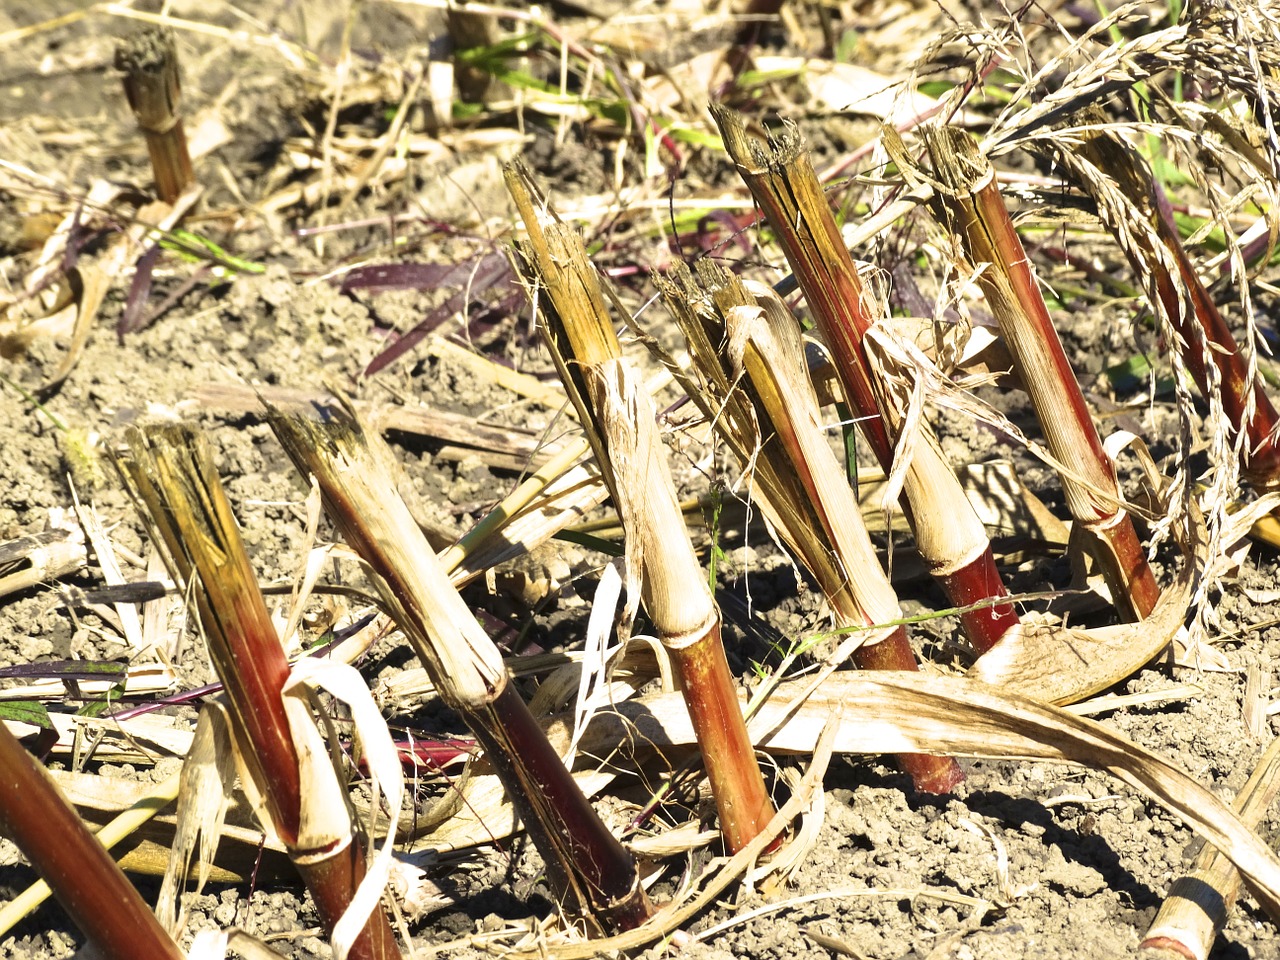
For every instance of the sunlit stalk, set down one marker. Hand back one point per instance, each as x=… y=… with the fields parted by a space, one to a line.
x=591 y=871
x=1201 y=333
x=171 y=471
x=750 y=378
x=969 y=202
x=949 y=535
x=673 y=586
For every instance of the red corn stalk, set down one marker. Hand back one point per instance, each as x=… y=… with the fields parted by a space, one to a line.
x=1149 y=238
x=949 y=535
x=79 y=870
x=750 y=379
x=673 y=587
x=172 y=474
x=586 y=864
x=968 y=200
x=149 y=60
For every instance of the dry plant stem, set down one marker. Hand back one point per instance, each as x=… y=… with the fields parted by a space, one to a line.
x=149 y=60
x=949 y=535
x=678 y=600
x=1198 y=903
x=970 y=202
x=172 y=471
x=767 y=339
x=586 y=863
x=752 y=382
x=469 y=30
x=83 y=876
x=673 y=586
x=1202 y=330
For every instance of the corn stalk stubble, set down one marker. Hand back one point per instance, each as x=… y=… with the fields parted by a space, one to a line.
x=750 y=381
x=587 y=865
x=171 y=471
x=949 y=536
x=1150 y=241
x=579 y=332
x=968 y=201
x=152 y=85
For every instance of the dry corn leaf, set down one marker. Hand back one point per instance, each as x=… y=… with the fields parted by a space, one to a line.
x=1061 y=665
x=208 y=774
x=909 y=713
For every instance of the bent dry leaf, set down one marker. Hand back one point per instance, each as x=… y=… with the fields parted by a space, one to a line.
x=900 y=712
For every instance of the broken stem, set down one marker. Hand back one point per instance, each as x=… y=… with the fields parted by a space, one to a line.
x=149 y=60
x=672 y=585
x=586 y=863
x=949 y=535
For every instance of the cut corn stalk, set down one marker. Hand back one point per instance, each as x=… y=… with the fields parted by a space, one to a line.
x=589 y=868
x=969 y=202
x=671 y=582
x=79 y=870
x=948 y=533
x=149 y=60
x=286 y=763
x=1147 y=234
x=1198 y=903
x=758 y=394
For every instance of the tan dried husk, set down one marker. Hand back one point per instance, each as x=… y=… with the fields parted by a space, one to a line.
x=208 y=775
x=764 y=344
x=676 y=595
x=948 y=539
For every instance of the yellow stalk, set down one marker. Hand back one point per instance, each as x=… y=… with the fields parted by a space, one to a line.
x=673 y=587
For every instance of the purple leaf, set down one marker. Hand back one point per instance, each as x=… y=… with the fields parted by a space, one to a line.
x=139 y=292
x=65 y=670
x=474 y=276
x=398 y=276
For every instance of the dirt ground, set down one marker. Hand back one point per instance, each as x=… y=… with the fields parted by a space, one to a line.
x=1022 y=860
